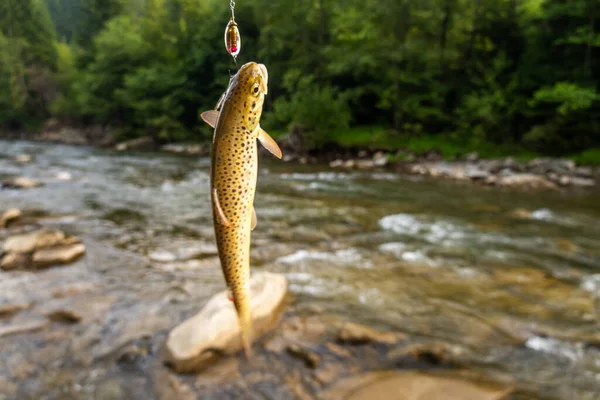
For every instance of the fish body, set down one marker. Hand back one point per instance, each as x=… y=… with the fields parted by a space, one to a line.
x=234 y=169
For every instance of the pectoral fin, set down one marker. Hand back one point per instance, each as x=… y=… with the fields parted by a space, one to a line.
x=254 y=221
x=210 y=117
x=268 y=142
x=221 y=218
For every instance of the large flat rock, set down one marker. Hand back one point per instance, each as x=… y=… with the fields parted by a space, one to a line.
x=215 y=330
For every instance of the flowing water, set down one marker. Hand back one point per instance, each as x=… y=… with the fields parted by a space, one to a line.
x=511 y=276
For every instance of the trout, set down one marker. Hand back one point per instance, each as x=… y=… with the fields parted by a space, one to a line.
x=234 y=167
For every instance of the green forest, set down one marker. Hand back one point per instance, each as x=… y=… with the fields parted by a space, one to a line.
x=469 y=74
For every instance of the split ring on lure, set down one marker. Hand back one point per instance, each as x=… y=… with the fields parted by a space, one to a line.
x=233 y=41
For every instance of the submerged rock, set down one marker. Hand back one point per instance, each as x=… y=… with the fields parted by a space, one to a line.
x=583 y=182
x=40 y=249
x=8 y=310
x=396 y=385
x=9 y=216
x=58 y=255
x=33 y=241
x=215 y=329
x=21 y=182
x=25 y=327
x=310 y=358
x=23 y=158
x=359 y=334
x=12 y=261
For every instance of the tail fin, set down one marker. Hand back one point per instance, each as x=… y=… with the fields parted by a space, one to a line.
x=246 y=344
x=246 y=327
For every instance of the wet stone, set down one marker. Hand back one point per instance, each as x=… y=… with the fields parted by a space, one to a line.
x=415 y=386
x=427 y=353
x=9 y=216
x=22 y=327
x=358 y=334
x=9 y=310
x=12 y=261
x=311 y=359
x=21 y=183
x=215 y=330
x=58 y=255
x=65 y=316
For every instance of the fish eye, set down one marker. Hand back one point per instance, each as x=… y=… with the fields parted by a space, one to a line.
x=255 y=89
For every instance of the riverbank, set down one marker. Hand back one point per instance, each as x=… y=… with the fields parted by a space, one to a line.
x=357 y=151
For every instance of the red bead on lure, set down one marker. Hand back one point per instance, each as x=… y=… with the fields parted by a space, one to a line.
x=233 y=41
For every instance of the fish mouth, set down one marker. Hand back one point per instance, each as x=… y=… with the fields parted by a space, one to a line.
x=265 y=76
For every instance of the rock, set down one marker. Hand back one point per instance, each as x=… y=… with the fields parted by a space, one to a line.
x=434 y=155
x=328 y=373
x=358 y=334
x=521 y=213
x=224 y=371
x=472 y=157
x=7 y=388
x=431 y=353
x=338 y=350
x=201 y=250
x=311 y=360
x=30 y=242
x=173 y=148
x=336 y=163
x=58 y=255
x=566 y=245
x=525 y=180
x=9 y=216
x=491 y=180
x=21 y=183
x=563 y=180
x=67 y=135
x=8 y=310
x=476 y=174
x=183 y=148
x=110 y=390
x=384 y=385
x=169 y=387
x=141 y=143
x=23 y=158
x=27 y=327
x=216 y=326
x=162 y=256
x=64 y=176
x=492 y=166
x=349 y=164
x=362 y=154
x=380 y=159
x=364 y=164
x=584 y=172
x=68 y=316
x=74 y=289
x=583 y=182
x=12 y=261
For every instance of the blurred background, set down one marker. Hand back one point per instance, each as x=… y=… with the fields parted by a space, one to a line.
x=502 y=77
x=436 y=209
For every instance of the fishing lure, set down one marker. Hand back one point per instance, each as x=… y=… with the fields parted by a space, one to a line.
x=233 y=41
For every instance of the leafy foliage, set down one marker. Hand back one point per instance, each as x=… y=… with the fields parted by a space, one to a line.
x=485 y=72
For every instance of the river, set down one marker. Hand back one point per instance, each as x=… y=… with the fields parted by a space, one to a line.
x=437 y=260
